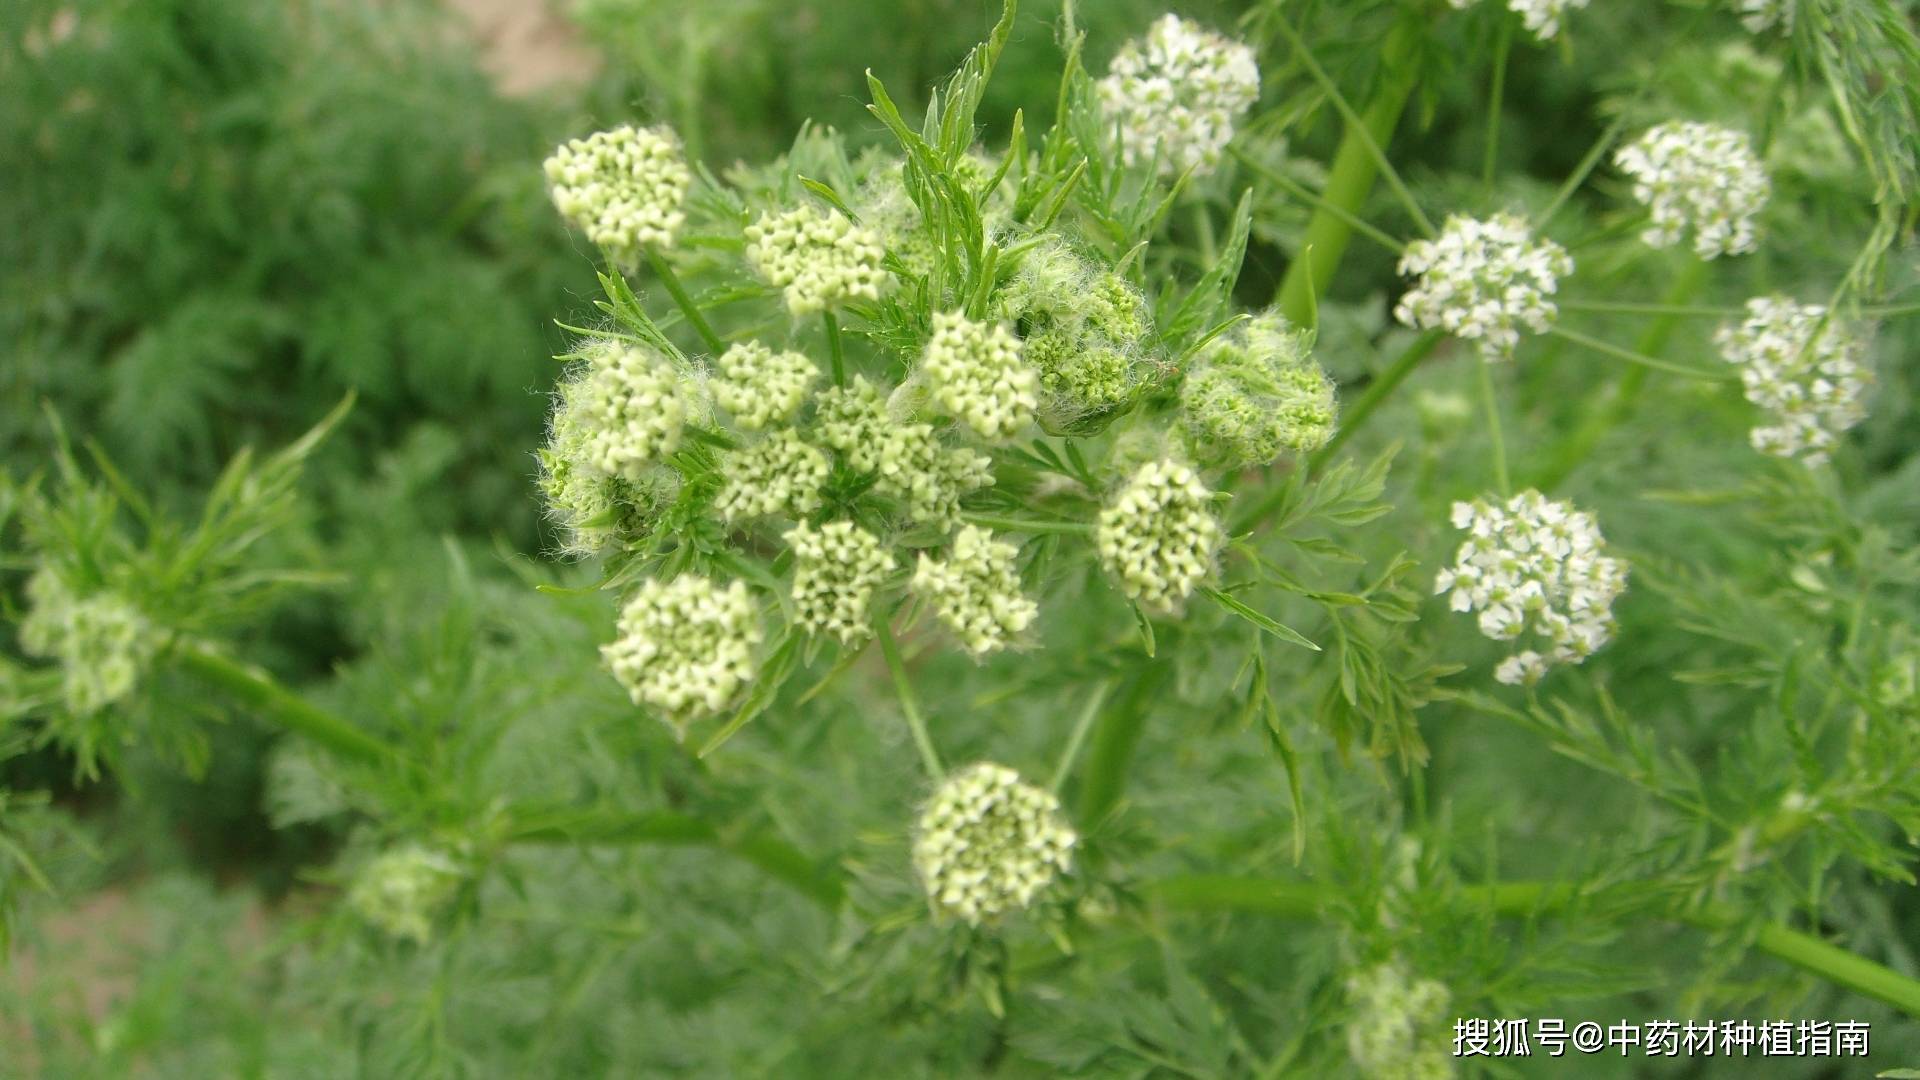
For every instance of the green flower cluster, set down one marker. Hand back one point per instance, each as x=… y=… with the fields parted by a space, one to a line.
x=989 y=843
x=1254 y=393
x=1086 y=329
x=402 y=891
x=101 y=641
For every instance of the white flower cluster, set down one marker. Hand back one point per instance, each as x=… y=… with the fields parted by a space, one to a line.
x=1534 y=565
x=989 y=843
x=976 y=590
x=629 y=408
x=1394 y=1031
x=1175 y=95
x=1805 y=367
x=1700 y=177
x=976 y=372
x=623 y=188
x=780 y=474
x=1483 y=280
x=836 y=569
x=1760 y=16
x=1541 y=17
x=401 y=891
x=820 y=258
x=908 y=460
x=758 y=386
x=102 y=642
x=685 y=647
x=1159 y=534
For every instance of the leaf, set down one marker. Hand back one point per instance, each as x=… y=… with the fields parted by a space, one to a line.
x=773 y=675
x=1263 y=621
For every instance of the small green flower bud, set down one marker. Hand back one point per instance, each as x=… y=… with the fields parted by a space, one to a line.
x=1395 y=1030
x=989 y=843
x=907 y=460
x=976 y=591
x=1158 y=535
x=977 y=374
x=759 y=387
x=836 y=569
x=1254 y=392
x=623 y=188
x=821 y=259
x=685 y=647
x=102 y=642
x=402 y=891
x=781 y=474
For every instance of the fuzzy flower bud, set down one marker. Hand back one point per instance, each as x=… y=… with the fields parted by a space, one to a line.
x=758 y=386
x=820 y=258
x=1158 y=535
x=1804 y=367
x=1254 y=392
x=593 y=509
x=685 y=646
x=1483 y=280
x=976 y=590
x=1395 y=1029
x=102 y=642
x=1084 y=327
x=1699 y=177
x=1173 y=96
x=836 y=569
x=1541 y=17
x=907 y=460
x=780 y=474
x=989 y=843
x=1535 y=566
x=976 y=372
x=629 y=407
x=401 y=891
x=623 y=188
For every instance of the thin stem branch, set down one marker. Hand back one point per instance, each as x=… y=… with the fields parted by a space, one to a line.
x=1494 y=433
x=1634 y=308
x=1632 y=357
x=1582 y=170
x=1079 y=736
x=1496 y=95
x=890 y=649
x=1320 y=202
x=1033 y=526
x=834 y=348
x=664 y=271
x=282 y=706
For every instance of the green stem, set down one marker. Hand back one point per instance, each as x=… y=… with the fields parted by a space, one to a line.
x=664 y=271
x=1115 y=737
x=1607 y=414
x=1303 y=900
x=1080 y=729
x=1496 y=95
x=1494 y=433
x=890 y=649
x=1033 y=526
x=274 y=702
x=590 y=826
x=1378 y=390
x=835 y=349
x=1349 y=180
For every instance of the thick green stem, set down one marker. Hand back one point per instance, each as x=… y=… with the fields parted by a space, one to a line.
x=1614 y=410
x=1349 y=181
x=904 y=687
x=836 y=351
x=276 y=703
x=664 y=271
x=589 y=826
x=1305 y=900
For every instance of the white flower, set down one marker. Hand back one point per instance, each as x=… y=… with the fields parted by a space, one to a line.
x=1397 y=1028
x=1536 y=566
x=102 y=641
x=1483 y=280
x=629 y=408
x=780 y=474
x=989 y=843
x=836 y=569
x=976 y=590
x=1699 y=177
x=685 y=647
x=821 y=259
x=907 y=460
x=1806 y=368
x=976 y=371
x=1159 y=534
x=1541 y=17
x=623 y=188
x=401 y=891
x=758 y=386
x=1173 y=96
x=1760 y=16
